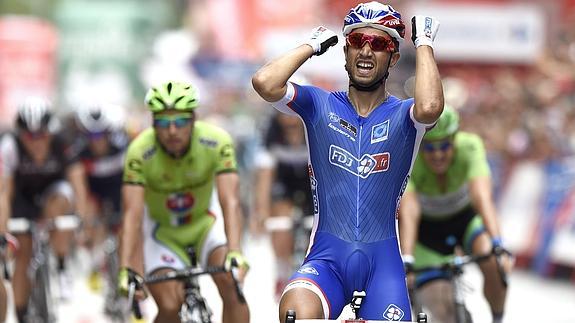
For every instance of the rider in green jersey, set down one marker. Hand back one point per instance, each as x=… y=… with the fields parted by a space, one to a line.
x=447 y=205
x=180 y=189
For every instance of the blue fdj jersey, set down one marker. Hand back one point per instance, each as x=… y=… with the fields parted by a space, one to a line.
x=359 y=165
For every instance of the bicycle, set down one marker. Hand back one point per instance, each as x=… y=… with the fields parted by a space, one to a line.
x=195 y=308
x=355 y=304
x=115 y=308
x=40 y=304
x=303 y=226
x=453 y=271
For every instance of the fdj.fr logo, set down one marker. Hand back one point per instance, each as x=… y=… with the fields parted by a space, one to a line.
x=393 y=313
x=362 y=167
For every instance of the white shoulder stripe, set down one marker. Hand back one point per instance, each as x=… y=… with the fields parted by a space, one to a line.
x=282 y=104
x=418 y=124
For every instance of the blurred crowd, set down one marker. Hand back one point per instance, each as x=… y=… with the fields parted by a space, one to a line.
x=522 y=111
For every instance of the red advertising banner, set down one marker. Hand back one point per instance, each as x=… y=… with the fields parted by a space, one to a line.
x=27 y=62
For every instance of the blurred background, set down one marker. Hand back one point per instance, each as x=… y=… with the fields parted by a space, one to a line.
x=508 y=66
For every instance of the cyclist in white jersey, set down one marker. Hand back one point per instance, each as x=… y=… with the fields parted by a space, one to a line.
x=362 y=144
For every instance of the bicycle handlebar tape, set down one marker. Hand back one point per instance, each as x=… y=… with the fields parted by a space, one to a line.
x=137 y=310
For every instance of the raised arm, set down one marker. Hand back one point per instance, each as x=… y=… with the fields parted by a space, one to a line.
x=270 y=80
x=428 y=88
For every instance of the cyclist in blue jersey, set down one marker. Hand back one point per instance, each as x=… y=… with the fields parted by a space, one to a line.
x=362 y=144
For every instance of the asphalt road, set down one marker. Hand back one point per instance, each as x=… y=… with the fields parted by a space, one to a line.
x=531 y=299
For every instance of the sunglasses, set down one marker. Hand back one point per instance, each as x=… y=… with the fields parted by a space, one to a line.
x=179 y=120
x=33 y=135
x=377 y=43
x=95 y=135
x=443 y=146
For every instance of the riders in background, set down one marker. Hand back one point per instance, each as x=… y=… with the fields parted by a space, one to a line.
x=448 y=203
x=283 y=189
x=101 y=145
x=181 y=189
x=41 y=178
x=362 y=144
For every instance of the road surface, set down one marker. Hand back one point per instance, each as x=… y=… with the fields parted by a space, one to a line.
x=531 y=299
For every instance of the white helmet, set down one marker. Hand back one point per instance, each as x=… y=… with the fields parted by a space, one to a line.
x=34 y=114
x=376 y=15
x=95 y=118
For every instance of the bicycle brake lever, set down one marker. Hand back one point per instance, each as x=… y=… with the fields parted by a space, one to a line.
x=499 y=251
x=502 y=273
x=235 y=274
x=134 y=302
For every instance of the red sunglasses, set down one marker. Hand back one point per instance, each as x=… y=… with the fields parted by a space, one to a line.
x=34 y=135
x=377 y=43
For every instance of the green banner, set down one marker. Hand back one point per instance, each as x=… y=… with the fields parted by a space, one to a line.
x=102 y=45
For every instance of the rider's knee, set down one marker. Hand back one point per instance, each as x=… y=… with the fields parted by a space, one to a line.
x=305 y=302
x=226 y=287
x=168 y=299
x=168 y=304
x=24 y=253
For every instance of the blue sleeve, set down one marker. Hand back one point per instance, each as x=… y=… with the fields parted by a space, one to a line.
x=302 y=101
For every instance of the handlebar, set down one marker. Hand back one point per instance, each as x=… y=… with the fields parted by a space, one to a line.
x=60 y=222
x=456 y=264
x=184 y=274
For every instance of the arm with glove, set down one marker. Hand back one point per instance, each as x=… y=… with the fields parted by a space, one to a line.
x=228 y=194
x=131 y=253
x=270 y=80
x=428 y=89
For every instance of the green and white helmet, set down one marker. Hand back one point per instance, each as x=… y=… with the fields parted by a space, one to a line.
x=447 y=125
x=172 y=96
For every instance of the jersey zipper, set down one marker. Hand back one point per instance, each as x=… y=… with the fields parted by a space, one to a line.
x=360 y=122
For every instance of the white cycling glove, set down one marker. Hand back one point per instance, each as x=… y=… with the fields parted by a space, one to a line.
x=423 y=30
x=321 y=39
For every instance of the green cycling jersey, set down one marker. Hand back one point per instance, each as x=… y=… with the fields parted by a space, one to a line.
x=178 y=191
x=469 y=161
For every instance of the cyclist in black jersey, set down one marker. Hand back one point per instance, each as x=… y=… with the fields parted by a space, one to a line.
x=41 y=178
x=282 y=189
x=101 y=148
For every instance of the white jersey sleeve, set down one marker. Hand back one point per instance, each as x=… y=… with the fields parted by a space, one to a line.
x=8 y=155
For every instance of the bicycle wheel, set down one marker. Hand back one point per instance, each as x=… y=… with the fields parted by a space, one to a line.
x=195 y=309
x=115 y=306
x=40 y=304
x=462 y=315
